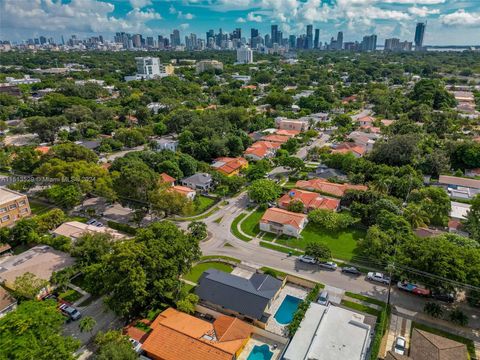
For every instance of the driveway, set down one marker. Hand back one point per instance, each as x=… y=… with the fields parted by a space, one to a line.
x=104 y=317
x=321 y=141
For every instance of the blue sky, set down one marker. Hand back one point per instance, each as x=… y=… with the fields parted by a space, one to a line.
x=453 y=22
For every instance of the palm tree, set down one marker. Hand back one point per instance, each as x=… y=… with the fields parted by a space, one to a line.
x=87 y=324
x=382 y=185
x=416 y=216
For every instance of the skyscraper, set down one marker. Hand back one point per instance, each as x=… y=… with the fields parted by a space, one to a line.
x=254 y=38
x=244 y=55
x=309 y=42
x=369 y=43
x=175 y=38
x=316 y=39
x=292 y=41
x=419 y=35
x=274 y=34
x=137 y=40
x=340 y=40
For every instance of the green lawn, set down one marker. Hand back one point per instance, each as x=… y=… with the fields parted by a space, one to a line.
x=208 y=257
x=234 y=228
x=280 y=248
x=460 y=339
x=250 y=225
x=70 y=295
x=341 y=243
x=202 y=204
x=198 y=269
x=39 y=207
x=365 y=298
x=360 y=307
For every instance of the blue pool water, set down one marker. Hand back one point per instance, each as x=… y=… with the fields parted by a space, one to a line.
x=260 y=353
x=285 y=312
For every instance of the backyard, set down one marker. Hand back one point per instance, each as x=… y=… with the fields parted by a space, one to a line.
x=342 y=243
x=198 y=269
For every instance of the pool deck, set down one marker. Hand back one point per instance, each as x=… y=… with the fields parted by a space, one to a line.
x=257 y=340
x=289 y=289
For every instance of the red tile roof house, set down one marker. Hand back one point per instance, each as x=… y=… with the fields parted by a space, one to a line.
x=184 y=190
x=281 y=221
x=310 y=200
x=276 y=138
x=365 y=121
x=261 y=150
x=229 y=166
x=347 y=147
x=326 y=187
x=165 y=178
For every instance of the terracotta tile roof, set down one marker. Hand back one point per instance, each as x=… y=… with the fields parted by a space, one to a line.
x=454 y=224
x=167 y=178
x=227 y=165
x=179 y=336
x=366 y=119
x=309 y=199
x=327 y=187
x=387 y=122
x=283 y=217
x=183 y=190
x=43 y=149
x=261 y=149
x=289 y=133
x=458 y=181
x=4 y=247
x=6 y=299
x=276 y=138
x=346 y=147
x=372 y=129
x=135 y=333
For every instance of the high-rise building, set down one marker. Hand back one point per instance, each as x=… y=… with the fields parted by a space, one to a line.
x=254 y=38
x=244 y=55
x=148 y=67
x=292 y=41
x=150 y=41
x=237 y=33
x=175 y=38
x=369 y=43
x=339 y=44
x=43 y=40
x=392 y=44
x=316 y=39
x=274 y=35
x=309 y=42
x=137 y=40
x=419 y=35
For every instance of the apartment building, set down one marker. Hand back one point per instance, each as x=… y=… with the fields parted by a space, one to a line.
x=13 y=207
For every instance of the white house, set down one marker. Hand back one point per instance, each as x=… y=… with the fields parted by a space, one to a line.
x=281 y=221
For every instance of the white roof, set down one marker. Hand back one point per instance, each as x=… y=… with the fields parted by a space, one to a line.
x=330 y=333
x=459 y=210
x=7 y=195
x=75 y=229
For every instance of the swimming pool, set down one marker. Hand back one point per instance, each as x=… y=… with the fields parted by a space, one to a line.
x=284 y=314
x=260 y=353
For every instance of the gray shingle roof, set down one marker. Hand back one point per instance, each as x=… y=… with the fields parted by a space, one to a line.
x=246 y=296
x=199 y=179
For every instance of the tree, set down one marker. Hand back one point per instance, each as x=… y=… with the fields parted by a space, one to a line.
x=134 y=180
x=70 y=152
x=87 y=324
x=292 y=162
x=296 y=206
x=33 y=331
x=198 y=229
x=435 y=202
x=433 y=309
x=416 y=215
x=49 y=220
x=396 y=151
x=458 y=317
x=318 y=251
x=263 y=191
x=187 y=304
x=45 y=128
x=167 y=202
x=25 y=232
x=28 y=285
x=65 y=196
x=472 y=222
x=91 y=247
x=331 y=220
x=130 y=137
x=114 y=346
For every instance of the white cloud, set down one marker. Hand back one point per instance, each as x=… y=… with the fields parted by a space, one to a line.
x=172 y=9
x=241 y=20
x=422 y=11
x=138 y=4
x=255 y=18
x=187 y=16
x=184 y=26
x=461 y=18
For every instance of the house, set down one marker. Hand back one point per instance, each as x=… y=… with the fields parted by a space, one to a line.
x=289 y=133
x=459 y=210
x=349 y=148
x=324 y=172
x=276 y=138
x=456 y=227
x=280 y=221
x=236 y=295
x=328 y=187
x=167 y=179
x=42 y=261
x=261 y=150
x=365 y=121
x=287 y=124
x=472 y=172
x=229 y=166
x=165 y=144
x=365 y=139
x=198 y=181
x=7 y=302
x=310 y=200
x=43 y=149
x=179 y=336
x=13 y=206
x=330 y=333
x=184 y=190
x=76 y=229
x=427 y=346
x=461 y=188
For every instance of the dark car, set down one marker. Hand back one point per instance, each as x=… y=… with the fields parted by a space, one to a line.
x=50 y=297
x=443 y=296
x=351 y=270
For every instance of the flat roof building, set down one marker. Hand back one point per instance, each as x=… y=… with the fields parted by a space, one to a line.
x=13 y=207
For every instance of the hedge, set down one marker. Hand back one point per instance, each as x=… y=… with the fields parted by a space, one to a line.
x=381 y=328
x=127 y=229
x=302 y=309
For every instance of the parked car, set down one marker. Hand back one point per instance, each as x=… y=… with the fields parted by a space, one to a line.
x=136 y=345
x=400 y=345
x=323 y=298
x=306 y=259
x=421 y=291
x=50 y=297
x=351 y=270
x=91 y=222
x=413 y=288
x=443 y=296
x=330 y=265
x=98 y=224
x=70 y=312
x=378 y=277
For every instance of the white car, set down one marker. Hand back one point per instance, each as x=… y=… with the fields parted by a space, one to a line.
x=400 y=345
x=306 y=259
x=378 y=277
x=328 y=265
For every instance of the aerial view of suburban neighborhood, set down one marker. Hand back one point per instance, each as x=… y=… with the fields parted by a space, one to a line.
x=239 y=179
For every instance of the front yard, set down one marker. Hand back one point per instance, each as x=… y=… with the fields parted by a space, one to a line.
x=250 y=225
x=198 y=269
x=342 y=243
x=202 y=203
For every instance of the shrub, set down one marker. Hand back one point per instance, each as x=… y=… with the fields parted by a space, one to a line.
x=302 y=309
x=433 y=309
x=127 y=229
x=331 y=220
x=381 y=328
x=459 y=317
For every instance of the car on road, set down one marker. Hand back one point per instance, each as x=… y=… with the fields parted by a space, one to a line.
x=400 y=346
x=306 y=259
x=91 y=222
x=330 y=265
x=443 y=296
x=378 y=277
x=70 y=312
x=323 y=298
x=351 y=270
x=413 y=288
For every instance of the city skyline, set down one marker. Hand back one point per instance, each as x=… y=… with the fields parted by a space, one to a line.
x=449 y=22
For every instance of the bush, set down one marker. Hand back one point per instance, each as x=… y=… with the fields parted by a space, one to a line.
x=331 y=220
x=302 y=309
x=433 y=309
x=381 y=328
x=457 y=316
x=127 y=229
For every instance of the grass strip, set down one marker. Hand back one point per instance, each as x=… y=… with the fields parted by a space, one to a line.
x=234 y=228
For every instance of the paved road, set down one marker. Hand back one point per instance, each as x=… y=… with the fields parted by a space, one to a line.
x=321 y=141
x=256 y=256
